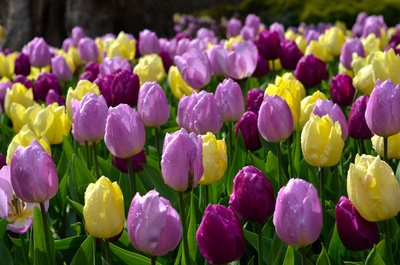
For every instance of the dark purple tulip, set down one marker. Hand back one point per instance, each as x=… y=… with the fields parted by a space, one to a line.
x=290 y=54
x=87 y=75
x=52 y=96
x=269 y=44
x=253 y=196
x=105 y=86
x=220 y=235
x=125 y=88
x=249 y=130
x=92 y=67
x=23 y=80
x=342 y=90
x=254 y=100
x=22 y=65
x=358 y=128
x=136 y=161
x=167 y=61
x=310 y=71
x=262 y=68
x=2 y=161
x=355 y=232
x=44 y=83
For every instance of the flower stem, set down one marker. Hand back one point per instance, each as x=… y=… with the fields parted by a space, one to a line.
x=132 y=181
x=153 y=260
x=303 y=256
x=385 y=148
x=260 y=245
x=96 y=164
x=157 y=144
x=230 y=142
x=23 y=246
x=388 y=243
x=322 y=190
x=273 y=71
x=183 y=220
x=278 y=144
x=206 y=197
x=46 y=233
x=289 y=144
x=105 y=243
x=88 y=163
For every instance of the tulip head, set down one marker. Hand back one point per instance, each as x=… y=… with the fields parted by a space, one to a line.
x=229 y=100
x=290 y=54
x=88 y=50
x=310 y=71
x=125 y=88
x=44 y=83
x=233 y=27
x=342 y=90
x=349 y=47
x=254 y=99
x=39 y=53
x=150 y=68
x=22 y=65
x=269 y=44
x=358 y=128
x=247 y=125
x=148 y=42
x=60 y=68
x=307 y=105
x=393 y=152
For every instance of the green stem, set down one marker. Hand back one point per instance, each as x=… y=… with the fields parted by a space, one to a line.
x=260 y=244
x=289 y=143
x=278 y=144
x=106 y=244
x=96 y=164
x=322 y=190
x=184 y=235
x=388 y=244
x=153 y=260
x=230 y=142
x=132 y=181
x=46 y=233
x=385 y=148
x=157 y=144
x=303 y=256
x=89 y=165
x=273 y=71
x=336 y=181
x=23 y=246
x=206 y=195
x=363 y=151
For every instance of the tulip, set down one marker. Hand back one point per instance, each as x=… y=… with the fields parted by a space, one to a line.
x=150 y=68
x=324 y=107
x=136 y=162
x=342 y=90
x=334 y=39
x=20 y=115
x=220 y=235
x=3 y=90
x=363 y=81
x=87 y=50
x=262 y=68
x=319 y=50
x=253 y=21
x=22 y=65
x=92 y=67
x=212 y=54
x=122 y=46
x=125 y=134
x=278 y=28
x=7 y=64
x=18 y=94
x=44 y=83
x=153 y=107
x=52 y=97
x=253 y=197
x=66 y=44
x=104 y=209
x=298 y=213
x=349 y=47
x=233 y=27
x=60 y=68
x=373 y=189
x=77 y=34
x=81 y=89
x=125 y=88
x=177 y=84
x=229 y=100
x=3 y=161
x=392 y=146
x=247 y=126
x=111 y=65
x=194 y=67
x=87 y=75
x=307 y=105
x=275 y=120
x=254 y=99
x=310 y=71
x=105 y=87
x=321 y=141
x=358 y=128
x=153 y=224
x=39 y=53
x=269 y=44
x=33 y=174
x=290 y=54
x=23 y=80
x=148 y=42
x=181 y=115
x=383 y=111
x=182 y=160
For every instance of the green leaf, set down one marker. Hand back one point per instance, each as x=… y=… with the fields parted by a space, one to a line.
x=271 y=170
x=275 y=249
x=289 y=256
x=86 y=253
x=81 y=177
x=251 y=261
x=337 y=251
x=108 y=169
x=69 y=243
x=39 y=240
x=127 y=257
x=68 y=149
x=6 y=258
x=323 y=258
x=374 y=258
x=238 y=162
x=77 y=207
x=192 y=229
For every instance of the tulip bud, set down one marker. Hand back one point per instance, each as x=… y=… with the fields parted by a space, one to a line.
x=358 y=128
x=177 y=84
x=22 y=65
x=125 y=88
x=349 y=47
x=229 y=100
x=233 y=27
x=355 y=232
x=212 y=54
x=39 y=53
x=52 y=97
x=87 y=50
x=23 y=80
x=182 y=160
x=393 y=152
x=18 y=94
x=104 y=209
x=254 y=99
x=249 y=130
x=220 y=235
x=253 y=197
x=136 y=162
x=148 y=42
x=310 y=71
x=334 y=39
x=153 y=224
x=298 y=213
x=342 y=90
x=44 y=83
x=262 y=68
x=373 y=188
x=3 y=90
x=77 y=35
x=60 y=68
x=150 y=68
x=110 y=66
x=307 y=105
x=33 y=174
x=125 y=134
x=290 y=54
x=269 y=44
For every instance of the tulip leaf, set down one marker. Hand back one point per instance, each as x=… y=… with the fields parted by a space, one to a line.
x=68 y=149
x=39 y=240
x=77 y=207
x=271 y=170
x=81 y=178
x=192 y=229
x=323 y=258
x=374 y=258
x=238 y=162
x=275 y=249
x=86 y=253
x=127 y=257
x=6 y=258
x=69 y=243
x=108 y=169
x=289 y=256
x=337 y=251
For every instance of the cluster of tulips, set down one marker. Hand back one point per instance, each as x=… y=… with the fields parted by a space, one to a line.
x=114 y=151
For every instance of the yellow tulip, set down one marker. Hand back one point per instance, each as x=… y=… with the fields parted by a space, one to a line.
x=297 y=83
x=100 y=46
x=20 y=115
x=321 y=141
x=150 y=68
x=393 y=145
x=7 y=64
x=73 y=53
x=228 y=44
x=373 y=189
x=307 y=105
x=290 y=34
x=371 y=44
x=215 y=159
x=104 y=209
x=334 y=40
x=18 y=94
x=357 y=63
x=177 y=84
x=301 y=43
x=364 y=80
x=318 y=50
x=83 y=87
x=344 y=71
x=122 y=46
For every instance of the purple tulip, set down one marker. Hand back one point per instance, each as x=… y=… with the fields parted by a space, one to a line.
x=90 y=108
x=125 y=134
x=355 y=232
x=87 y=50
x=373 y=24
x=194 y=67
x=358 y=26
x=182 y=46
x=92 y=67
x=342 y=90
x=125 y=88
x=383 y=109
x=262 y=68
x=206 y=35
x=216 y=67
x=77 y=35
x=248 y=33
x=87 y=75
x=275 y=120
x=60 y=68
x=66 y=44
x=52 y=96
x=253 y=197
x=110 y=66
x=220 y=235
x=153 y=107
x=254 y=100
x=182 y=159
x=247 y=126
x=310 y=71
x=253 y=21
x=229 y=100
x=290 y=54
x=44 y=83
x=2 y=161
x=22 y=65
x=349 y=47
x=105 y=86
x=3 y=90
x=358 y=128
x=269 y=45
x=148 y=43
x=278 y=28
x=23 y=80
x=233 y=27
x=153 y=224
x=181 y=115
x=323 y=107
x=33 y=173
x=312 y=35
x=39 y=53
x=298 y=213
x=136 y=162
